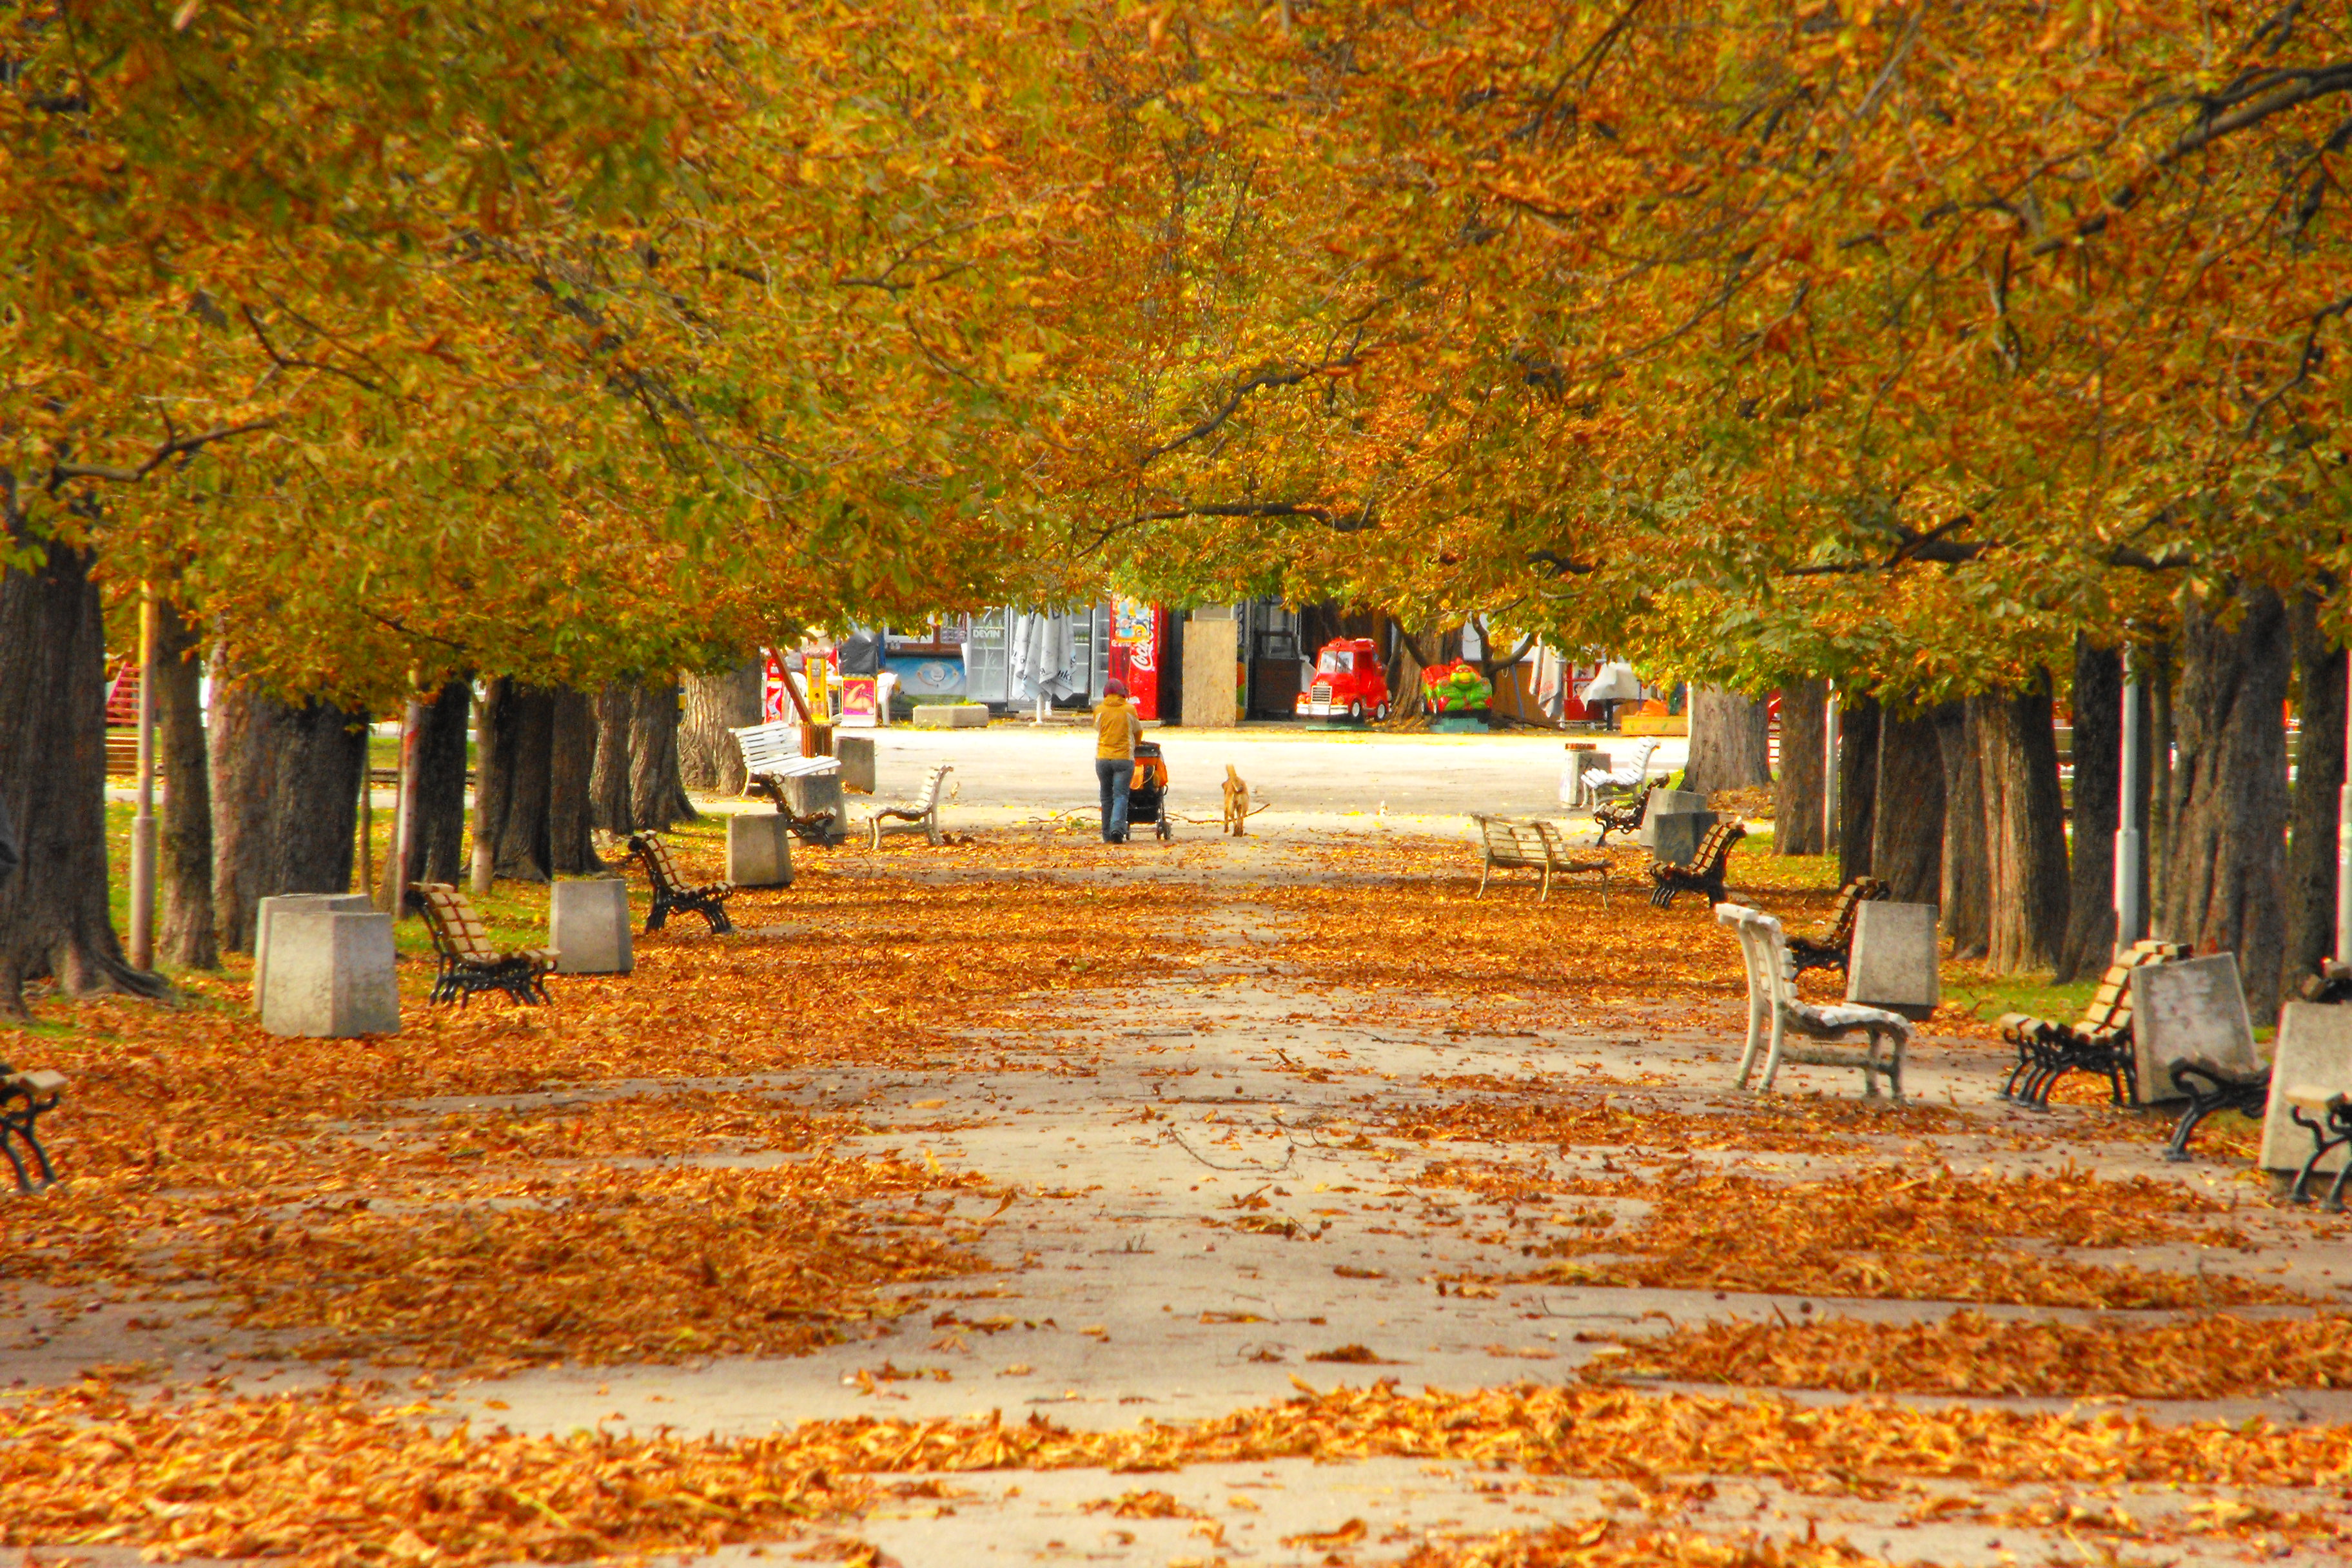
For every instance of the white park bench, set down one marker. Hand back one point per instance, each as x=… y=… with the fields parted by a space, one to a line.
x=922 y=812
x=1534 y=845
x=771 y=756
x=1774 y=1012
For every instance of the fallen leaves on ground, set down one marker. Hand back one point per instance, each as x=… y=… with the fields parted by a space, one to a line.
x=2213 y=1357
x=1602 y=1543
x=1892 y=1233
x=326 y=1478
x=606 y=1267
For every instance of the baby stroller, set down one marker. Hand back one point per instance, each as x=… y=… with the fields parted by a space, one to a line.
x=1147 y=795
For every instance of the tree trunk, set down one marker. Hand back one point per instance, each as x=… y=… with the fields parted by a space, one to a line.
x=608 y=787
x=54 y=922
x=313 y=811
x=656 y=796
x=2318 y=775
x=493 y=779
x=1730 y=742
x=1857 y=785
x=708 y=757
x=2228 y=830
x=518 y=734
x=1967 y=875
x=184 y=851
x=241 y=750
x=1415 y=651
x=435 y=850
x=571 y=769
x=1906 y=844
x=2025 y=829
x=1796 y=796
x=2098 y=702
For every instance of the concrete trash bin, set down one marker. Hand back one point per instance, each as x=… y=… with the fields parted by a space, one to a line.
x=760 y=848
x=330 y=975
x=588 y=926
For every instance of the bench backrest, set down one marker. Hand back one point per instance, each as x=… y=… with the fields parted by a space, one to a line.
x=765 y=747
x=456 y=929
x=1850 y=899
x=932 y=779
x=1513 y=840
x=2110 y=1009
x=660 y=869
x=1715 y=849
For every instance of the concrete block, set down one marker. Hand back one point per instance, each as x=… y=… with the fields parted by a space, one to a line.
x=2313 y=1047
x=952 y=716
x=330 y=975
x=806 y=797
x=1892 y=962
x=588 y=926
x=1667 y=803
x=350 y=903
x=856 y=754
x=758 y=850
x=2189 y=1011
x=1675 y=834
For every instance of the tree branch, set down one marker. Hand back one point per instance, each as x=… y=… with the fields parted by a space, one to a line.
x=179 y=446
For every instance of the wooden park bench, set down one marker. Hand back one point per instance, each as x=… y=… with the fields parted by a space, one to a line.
x=672 y=891
x=2099 y=1041
x=1833 y=941
x=470 y=961
x=1705 y=872
x=24 y=1097
x=771 y=756
x=1775 y=1012
x=1530 y=843
x=921 y=812
x=1625 y=816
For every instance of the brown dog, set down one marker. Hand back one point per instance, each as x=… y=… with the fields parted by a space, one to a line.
x=1236 y=820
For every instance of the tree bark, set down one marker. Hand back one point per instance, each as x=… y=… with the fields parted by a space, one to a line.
x=2318 y=775
x=2025 y=829
x=2227 y=858
x=184 y=850
x=1966 y=869
x=435 y=850
x=708 y=757
x=1730 y=742
x=2098 y=702
x=1908 y=835
x=313 y=812
x=518 y=734
x=241 y=753
x=571 y=769
x=54 y=922
x=1415 y=651
x=1797 y=797
x=657 y=795
x=1857 y=785
x=608 y=787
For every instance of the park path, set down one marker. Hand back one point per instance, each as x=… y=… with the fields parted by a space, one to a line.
x=1206 y=1203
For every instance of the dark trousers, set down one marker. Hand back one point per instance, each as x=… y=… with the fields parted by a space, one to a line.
x=1114 y=774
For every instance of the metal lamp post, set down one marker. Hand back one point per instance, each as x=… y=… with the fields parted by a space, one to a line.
x=142 y=825
x=2131 y=918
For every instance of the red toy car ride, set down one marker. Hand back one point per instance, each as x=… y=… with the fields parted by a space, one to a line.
x=1348 y=682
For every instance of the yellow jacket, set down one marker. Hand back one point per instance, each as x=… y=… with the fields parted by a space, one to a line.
x=1116 y=727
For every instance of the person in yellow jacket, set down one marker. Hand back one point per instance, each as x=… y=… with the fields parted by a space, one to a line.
x=1116 y=728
